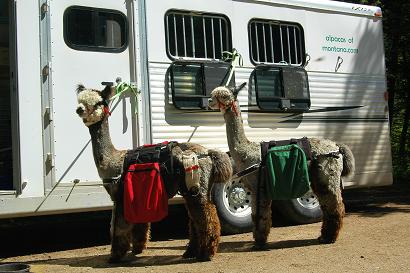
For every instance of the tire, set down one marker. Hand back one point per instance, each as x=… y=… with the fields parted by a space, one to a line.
x=302 y=210
x=233 y=203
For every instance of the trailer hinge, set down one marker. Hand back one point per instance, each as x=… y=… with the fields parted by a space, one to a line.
x=50 y=160
x=48 y=113
x=44 y=8
x=46 y=70
x=134 y=85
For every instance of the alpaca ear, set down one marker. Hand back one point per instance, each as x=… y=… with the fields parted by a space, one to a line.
x=107 y=93
x=80 y=88
x=237 y=89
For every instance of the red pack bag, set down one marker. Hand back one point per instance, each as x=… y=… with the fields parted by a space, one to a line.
x=145 y=197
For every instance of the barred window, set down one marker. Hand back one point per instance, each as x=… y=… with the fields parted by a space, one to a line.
x=197 y=35
x=274 y=42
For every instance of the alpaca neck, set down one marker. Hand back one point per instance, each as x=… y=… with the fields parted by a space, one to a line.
x=107 y=159
x=237 y=140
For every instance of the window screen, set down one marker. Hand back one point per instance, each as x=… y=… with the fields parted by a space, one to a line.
x=192 y=82
x=281 y=88
x=295 y=83
x=95 y=29
x=197 y=35
x=273 y=42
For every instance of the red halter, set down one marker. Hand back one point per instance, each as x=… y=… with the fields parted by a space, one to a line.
x=231 y=106
x=107 y=110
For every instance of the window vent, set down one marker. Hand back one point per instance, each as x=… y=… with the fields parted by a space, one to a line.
x=192 y=82
x=273 y=42
x=197 y=35
x=281 y=88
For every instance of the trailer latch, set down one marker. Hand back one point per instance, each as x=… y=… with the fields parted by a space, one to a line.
x=50 y=160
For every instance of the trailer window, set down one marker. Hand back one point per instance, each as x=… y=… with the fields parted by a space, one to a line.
x=274 y=42
x=192 y=82
x=197 y=35
x=281 y=88
x=93 y=29
x=195 y=41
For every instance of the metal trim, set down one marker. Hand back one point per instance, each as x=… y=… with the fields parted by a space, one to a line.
x=143 y=75
x=46 y=94
x=14 y=100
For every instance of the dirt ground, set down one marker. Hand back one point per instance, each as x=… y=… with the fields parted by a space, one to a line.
x=375 y=238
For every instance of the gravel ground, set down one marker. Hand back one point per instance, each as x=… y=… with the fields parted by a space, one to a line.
x=375 y=238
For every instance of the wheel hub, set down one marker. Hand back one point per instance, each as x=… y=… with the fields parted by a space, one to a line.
x=237 y=196
x=309 y=200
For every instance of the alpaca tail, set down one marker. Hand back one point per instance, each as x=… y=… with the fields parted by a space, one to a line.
x=221 y=166
x=348 y=161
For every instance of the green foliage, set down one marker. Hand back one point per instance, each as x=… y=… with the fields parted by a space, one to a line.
x=401 y=168
x=396 y=24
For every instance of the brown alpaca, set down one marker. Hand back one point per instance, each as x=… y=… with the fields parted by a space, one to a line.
x=326 y=172
x=215 y=167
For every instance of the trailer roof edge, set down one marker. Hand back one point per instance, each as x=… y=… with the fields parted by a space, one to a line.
x=328 y=5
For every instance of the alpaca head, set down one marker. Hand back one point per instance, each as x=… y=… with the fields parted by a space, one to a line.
x=93 y=104
x=223 y=97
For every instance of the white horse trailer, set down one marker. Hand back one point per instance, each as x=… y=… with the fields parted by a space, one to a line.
x=313 y=68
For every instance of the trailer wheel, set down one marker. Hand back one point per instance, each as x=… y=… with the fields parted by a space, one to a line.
x=233 y=203
x=302 y=210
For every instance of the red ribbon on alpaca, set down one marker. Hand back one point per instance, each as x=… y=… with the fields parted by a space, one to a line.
x=232 y=106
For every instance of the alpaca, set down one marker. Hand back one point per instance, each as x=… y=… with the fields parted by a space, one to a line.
x=214 y=166
x=325 y=171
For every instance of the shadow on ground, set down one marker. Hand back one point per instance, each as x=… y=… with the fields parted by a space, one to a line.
x=100 y=261
x=41 y=234
x=376 y=202
x=72 y=231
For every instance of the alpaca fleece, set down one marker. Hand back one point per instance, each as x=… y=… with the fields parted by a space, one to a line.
x=214 y=167
x=326 y=171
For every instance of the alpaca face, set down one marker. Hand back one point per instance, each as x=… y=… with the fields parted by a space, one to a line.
x=90 y=106
x=221 y=98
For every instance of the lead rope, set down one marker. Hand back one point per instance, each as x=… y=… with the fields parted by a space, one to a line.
x=123 y=87
x=120 y=89
x=235 y=58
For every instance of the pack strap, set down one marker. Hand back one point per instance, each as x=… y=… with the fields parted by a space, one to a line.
x=192 y=172
x=331 y=154
x=301 y=142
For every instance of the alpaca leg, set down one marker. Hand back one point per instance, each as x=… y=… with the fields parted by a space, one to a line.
x=262 y=223
x=329 y=194
x=212 y=233
x=140 y=237
x=333 y=211
x=120 y=234
x=192 y=248
x=207 y=228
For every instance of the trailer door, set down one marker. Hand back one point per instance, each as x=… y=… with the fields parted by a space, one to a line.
x=89 y=45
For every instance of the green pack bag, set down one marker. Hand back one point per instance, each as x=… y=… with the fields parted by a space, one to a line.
x=287 y=172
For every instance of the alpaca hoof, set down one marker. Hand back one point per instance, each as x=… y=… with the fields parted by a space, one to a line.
x=324 y=240
x=260 y=246
x=115 y=259
x=205 y=258
x=188 y=254
x=136 y=251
